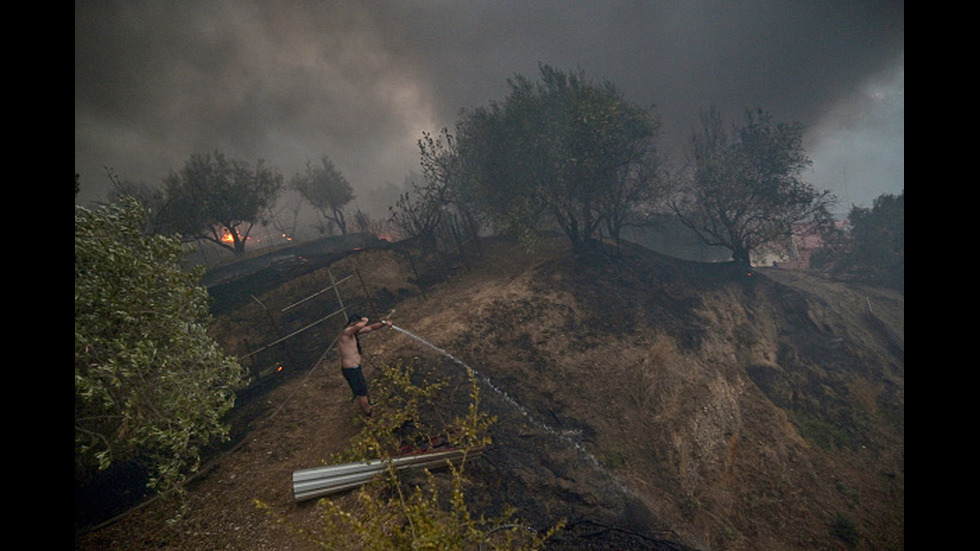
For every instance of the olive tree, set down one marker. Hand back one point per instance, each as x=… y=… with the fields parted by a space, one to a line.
x=871 y=246
x=150 y=385
x=564 y=151
x=326 y=188
x=877 y=238
x=213 y=196
x=745 y=188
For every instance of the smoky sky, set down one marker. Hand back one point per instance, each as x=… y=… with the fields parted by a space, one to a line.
x=360 y=81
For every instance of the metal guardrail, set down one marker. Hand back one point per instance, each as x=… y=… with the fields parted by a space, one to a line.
x=330 y=479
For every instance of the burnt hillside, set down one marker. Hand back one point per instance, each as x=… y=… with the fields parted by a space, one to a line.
x=662 y=404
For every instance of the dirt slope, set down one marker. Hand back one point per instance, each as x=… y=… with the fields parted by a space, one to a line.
x=650 y=402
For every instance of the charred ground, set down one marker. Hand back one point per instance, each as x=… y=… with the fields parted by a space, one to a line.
x=664 y=404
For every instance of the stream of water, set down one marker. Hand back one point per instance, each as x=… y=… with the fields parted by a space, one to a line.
x=516 y=405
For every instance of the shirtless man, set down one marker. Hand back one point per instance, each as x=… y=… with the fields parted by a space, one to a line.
x=350 y=357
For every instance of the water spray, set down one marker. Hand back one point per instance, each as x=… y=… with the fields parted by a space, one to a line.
x=514 y=403
x=480 y=377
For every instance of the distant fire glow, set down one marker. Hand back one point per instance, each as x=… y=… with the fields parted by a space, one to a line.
x=227 y=237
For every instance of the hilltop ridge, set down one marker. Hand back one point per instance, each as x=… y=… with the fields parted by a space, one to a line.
x=664 y=405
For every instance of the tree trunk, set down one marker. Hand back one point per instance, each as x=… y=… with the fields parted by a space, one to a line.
x=742 y=259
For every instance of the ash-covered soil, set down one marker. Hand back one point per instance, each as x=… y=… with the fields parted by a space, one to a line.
x=649 y=402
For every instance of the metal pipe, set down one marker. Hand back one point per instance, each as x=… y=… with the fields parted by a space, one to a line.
x=330 y=479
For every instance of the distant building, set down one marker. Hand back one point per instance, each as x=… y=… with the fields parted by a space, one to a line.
x=795 y=254
x=670 y=237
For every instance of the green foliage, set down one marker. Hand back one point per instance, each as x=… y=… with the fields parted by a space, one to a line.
x=423 y=519
x=825 y=434
x=392 y=515
x=404 y=401
x=876 y=251
x=745 y=190
x=213 y=194
x=563 y=152
x=150 y=385
x=326 y=188
x=613 y=459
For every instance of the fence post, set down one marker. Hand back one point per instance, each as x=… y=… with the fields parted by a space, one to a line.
x=275 y=327
x=340 y=301
x=367 y=294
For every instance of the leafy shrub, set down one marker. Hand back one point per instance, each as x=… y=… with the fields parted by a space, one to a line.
x=150 y=385
x=391 y=514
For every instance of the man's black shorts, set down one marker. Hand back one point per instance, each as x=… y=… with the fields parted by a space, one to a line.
x=355 y=378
